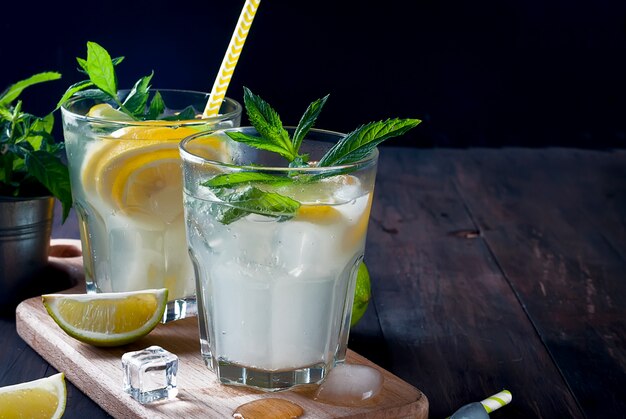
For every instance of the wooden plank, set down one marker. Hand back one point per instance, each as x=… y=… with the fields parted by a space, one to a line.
x=443 y=301
x=555 y=220
x=97 y=372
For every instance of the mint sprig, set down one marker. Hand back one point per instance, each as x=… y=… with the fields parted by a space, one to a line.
x=102 y=85
x=252 y=200
x=238 y=190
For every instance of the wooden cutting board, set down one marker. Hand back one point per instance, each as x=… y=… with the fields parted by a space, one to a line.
x=98 y=373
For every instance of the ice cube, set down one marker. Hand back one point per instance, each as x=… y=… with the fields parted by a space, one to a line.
x=150 y=374
x=350 y=385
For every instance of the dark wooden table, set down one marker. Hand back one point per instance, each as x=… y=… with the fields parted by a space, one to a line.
x=492 y=269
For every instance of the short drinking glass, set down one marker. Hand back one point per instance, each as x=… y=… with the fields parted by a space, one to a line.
x=127 y=186
x=276 y=254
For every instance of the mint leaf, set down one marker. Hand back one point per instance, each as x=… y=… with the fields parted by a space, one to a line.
x=137 y=99
x=100 y=69
x=234 y=179
x=117 y=60
x=95 y=94
x=260 y=143
x=251 y=199
x=53 y=174
x=5 y=114
x=76 y=87
x=186 y=114
x=360 y=142
x=13 y=91
x=268 y=124
x=307 y=121
x=40 y=129
x=157 y=106
x=83 y=65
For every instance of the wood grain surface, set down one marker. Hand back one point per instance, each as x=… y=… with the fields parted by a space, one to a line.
x=98 y=373
x=491 y=269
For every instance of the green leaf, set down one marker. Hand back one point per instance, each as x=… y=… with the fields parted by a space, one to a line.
x=136 y=100
x=95 y=94
x=360 y=142
x=117 y=60
x=83 y=64
x=234 y=179
x=73 y=89
x=186 y=114
x=307 y=121
x=16 y=89
x=5 y=114
x=100 y=69
x=260 y=143
x=50 y=171
x=157 y=106
x=256 y=201
x=267 y=123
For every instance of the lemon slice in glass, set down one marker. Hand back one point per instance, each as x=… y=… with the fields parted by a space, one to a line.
x=138 y=170
x=107 y=319
x=43 y=398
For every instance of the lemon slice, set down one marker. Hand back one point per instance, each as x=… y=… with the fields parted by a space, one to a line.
x=104 y=110
x=138 y=170
x=43 y=398
x=107 y=319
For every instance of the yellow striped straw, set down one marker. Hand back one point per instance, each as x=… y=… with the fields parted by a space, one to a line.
x=497 y=401
x=230 y=59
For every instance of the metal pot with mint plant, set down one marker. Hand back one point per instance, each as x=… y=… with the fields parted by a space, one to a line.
x=32 y=175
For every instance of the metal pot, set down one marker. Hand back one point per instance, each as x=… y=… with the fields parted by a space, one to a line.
x=25 y=229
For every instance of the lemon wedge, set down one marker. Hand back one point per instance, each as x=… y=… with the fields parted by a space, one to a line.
x=107 y=319
x=43 y=398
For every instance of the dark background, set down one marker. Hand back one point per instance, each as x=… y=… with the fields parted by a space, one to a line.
x=479 y=73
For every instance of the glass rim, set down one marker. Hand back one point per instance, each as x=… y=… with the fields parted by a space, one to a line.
x=188 y=122
x=188 y=155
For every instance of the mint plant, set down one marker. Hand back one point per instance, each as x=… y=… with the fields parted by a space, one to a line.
x=241 y=190
x=30 y=158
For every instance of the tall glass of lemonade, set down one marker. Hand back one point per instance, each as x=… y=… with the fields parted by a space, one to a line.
x=276 y=248
x=127 y=186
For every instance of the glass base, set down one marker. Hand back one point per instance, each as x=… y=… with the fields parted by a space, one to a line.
x=180 y=309
x=237 y=375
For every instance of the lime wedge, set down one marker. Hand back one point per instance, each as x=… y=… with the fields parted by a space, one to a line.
x=107 y=319
x=362 y=294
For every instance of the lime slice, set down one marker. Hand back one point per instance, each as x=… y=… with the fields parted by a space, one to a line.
x=362 y=294
x=43 y=398
x=107 y=319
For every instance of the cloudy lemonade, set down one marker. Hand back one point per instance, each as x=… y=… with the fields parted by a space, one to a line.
x=276 y=230
x=281 y=285
x=126 y=181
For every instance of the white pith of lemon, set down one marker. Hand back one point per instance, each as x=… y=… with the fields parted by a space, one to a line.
x=42 y=398
x=107 y=319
